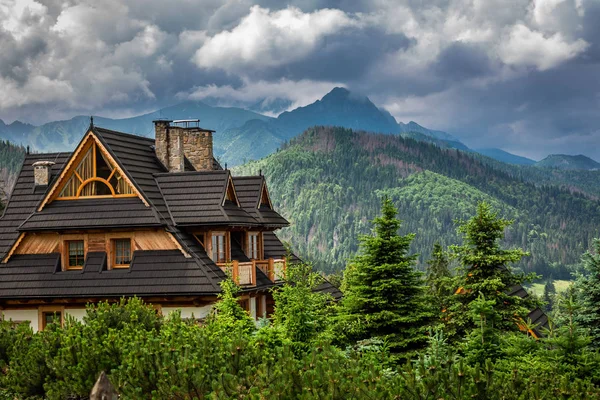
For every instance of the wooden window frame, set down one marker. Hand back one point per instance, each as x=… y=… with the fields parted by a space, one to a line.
x=259 y=245
x=113 y=260
x=209 y=250
x=110 y=250
x=47 y=310
x=95 y=147
x=64 y=243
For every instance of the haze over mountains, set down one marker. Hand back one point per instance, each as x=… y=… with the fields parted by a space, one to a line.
x=239 y=130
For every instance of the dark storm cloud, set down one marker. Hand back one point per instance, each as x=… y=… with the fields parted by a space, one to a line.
x=344 y=56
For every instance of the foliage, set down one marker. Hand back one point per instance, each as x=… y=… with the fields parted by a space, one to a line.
x=440 y=280
x=485 y=274
x=589 y=316
x=228 y=314
x=384 y=296
x=301 y=314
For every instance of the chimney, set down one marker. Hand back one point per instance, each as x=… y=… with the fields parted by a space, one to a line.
x=41 y=172
x=176 y=140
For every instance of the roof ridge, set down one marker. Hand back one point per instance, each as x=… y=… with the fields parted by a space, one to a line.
x=124 y=133
x=205 y=172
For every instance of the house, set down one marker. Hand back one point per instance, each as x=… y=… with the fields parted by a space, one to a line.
x=125 y=215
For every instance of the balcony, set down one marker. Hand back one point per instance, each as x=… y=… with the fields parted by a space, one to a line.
x=244 y=273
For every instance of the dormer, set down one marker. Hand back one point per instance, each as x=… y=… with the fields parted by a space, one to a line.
x=91 y=172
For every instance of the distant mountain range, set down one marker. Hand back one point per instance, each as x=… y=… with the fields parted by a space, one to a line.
x=247 y=134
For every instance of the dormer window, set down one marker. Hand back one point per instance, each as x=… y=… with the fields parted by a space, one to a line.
x=75 y=254
x=121 y=252
x=95 y=176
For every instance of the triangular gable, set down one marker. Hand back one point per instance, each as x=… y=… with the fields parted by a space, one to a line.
x=91 y=173
x=265 y=199
x=230 y=193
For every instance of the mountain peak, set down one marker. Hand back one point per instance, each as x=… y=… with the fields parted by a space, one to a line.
x=564 y=161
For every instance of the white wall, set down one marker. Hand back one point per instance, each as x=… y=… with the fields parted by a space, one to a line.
x=23 y=315
x=253 y=307
x=77 y=313
x=189 y=312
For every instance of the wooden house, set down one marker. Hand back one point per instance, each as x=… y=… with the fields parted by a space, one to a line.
x=125 y=215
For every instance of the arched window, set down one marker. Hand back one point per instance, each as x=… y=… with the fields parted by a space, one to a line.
x=95 y=175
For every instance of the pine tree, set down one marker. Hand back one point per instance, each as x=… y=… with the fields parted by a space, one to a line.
x=384 y=296
x=589 y=288
x=439 y=279
x=486 y=271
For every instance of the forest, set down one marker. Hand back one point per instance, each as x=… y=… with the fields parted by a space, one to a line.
x=329 y=180
x=397 y=333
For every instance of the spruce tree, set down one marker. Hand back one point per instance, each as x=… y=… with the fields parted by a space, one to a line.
x=549 y=294
x=486 y=272
x=439 y=279
x=589 y=292
x=384 y=296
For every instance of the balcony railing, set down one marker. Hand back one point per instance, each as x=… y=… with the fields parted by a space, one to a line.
x=244 y=273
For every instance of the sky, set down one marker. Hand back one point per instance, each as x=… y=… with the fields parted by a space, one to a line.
x=521 y=75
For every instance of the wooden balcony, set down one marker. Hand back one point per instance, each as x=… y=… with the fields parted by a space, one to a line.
x=244 y=273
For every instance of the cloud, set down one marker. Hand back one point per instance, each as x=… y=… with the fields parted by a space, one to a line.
x=496 y=73
x=267 y=38
x=525 y=47
x=300 y=93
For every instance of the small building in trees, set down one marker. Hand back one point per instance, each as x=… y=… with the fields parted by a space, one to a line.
x=125 y=215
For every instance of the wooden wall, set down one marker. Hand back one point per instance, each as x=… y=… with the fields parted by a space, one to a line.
x=44 y=243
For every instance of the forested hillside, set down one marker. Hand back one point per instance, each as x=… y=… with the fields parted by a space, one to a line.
x=328 y=182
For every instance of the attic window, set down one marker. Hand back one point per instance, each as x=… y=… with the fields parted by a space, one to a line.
x=265 y=200
x=95 y=176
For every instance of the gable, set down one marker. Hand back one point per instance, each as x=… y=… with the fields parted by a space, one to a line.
x=265 y=199
x=91 y=173
x=230 y=194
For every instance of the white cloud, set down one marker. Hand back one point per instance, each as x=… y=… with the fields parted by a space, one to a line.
x=267 y=38
x=526 y=47
x=300 y=93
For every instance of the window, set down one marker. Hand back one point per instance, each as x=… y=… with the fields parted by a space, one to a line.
x=253 y=251
x=219 y=250
x=48 y=315
x=75 y=254
x=95 y=175
x=121 y=253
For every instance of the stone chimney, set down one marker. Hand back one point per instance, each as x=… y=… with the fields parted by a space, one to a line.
x=176 y=140
x=41 y=172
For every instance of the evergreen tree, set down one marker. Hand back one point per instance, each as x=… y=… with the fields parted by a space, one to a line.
x=589 y=287
x=549 y=293
x=486 y=272
x=384 y=296
x=439 y=279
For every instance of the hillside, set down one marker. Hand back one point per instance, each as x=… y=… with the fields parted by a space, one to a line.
x=566 y=162
x=505 y=157
x=328 y=182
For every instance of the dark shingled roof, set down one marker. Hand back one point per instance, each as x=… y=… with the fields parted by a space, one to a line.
x=249 y=191
x=24 y=198
x=196 y=198
x=164 y=272
x=92 y=213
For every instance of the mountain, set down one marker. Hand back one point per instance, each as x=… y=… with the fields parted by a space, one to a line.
x=329 y=181
x=339 y=107
x=64 y=135
x=566 y=162
x=505 y=157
